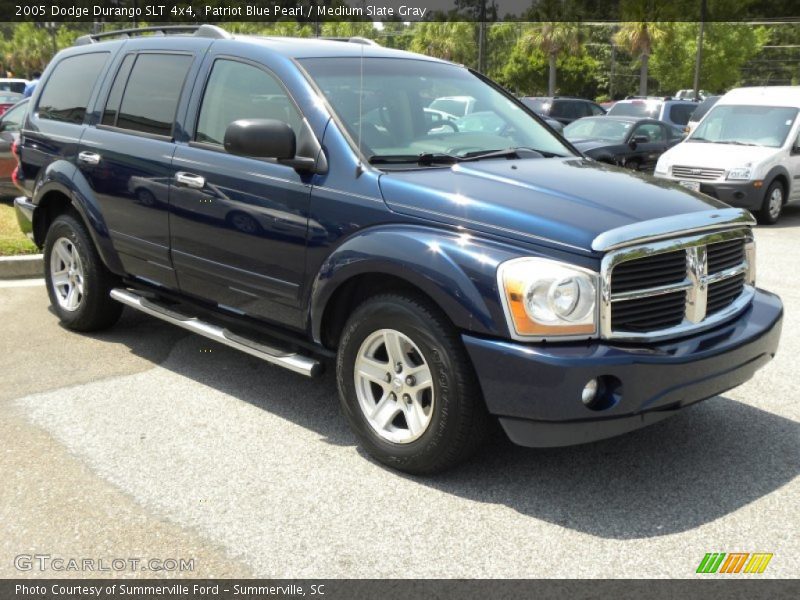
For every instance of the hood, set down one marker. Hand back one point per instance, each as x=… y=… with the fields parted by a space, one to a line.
x=562 y=202
x=716 y=156
x=589 y=144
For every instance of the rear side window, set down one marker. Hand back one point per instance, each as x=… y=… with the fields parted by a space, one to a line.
x=152 y=92
x=596 y=109
x=680 y=113
x=115 y=96
x=66 y=92
x=239 y=91
x=566 y=110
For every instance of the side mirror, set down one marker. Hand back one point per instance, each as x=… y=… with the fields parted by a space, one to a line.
x=265 y=138
x=640 y=139
x=260 y=138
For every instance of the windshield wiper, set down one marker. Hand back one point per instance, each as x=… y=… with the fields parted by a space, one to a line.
x=426 y=158
x=520 y=152
x=736 y=143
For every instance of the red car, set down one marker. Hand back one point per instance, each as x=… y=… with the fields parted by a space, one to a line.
x=9 y=133
x=7 y=100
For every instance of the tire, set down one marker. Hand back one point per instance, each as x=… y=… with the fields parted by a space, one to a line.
x=772 y=205
x=71 y=262
x=445 y=421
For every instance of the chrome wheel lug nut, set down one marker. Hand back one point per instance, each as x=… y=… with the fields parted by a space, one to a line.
x=398 y=368
x=410 y=380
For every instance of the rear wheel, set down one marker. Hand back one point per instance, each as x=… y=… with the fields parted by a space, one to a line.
x=78 y=282
x=772 y=206
x=407 y=386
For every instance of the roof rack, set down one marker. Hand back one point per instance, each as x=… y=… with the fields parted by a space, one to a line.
x=352 y=40
x=206 y=31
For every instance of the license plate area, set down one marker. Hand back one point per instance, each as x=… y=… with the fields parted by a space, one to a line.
x=691 y=185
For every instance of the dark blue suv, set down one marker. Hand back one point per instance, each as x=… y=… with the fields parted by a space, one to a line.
x=301 y=201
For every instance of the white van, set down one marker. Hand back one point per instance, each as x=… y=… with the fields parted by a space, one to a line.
x=745 y=151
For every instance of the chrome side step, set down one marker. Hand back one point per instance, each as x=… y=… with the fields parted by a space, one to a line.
x=288 y=360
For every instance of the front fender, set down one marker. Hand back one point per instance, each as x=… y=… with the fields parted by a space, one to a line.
x=458 y=271
x=774 y=172
x=65 y=178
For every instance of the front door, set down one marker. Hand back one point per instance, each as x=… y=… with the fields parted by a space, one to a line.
x=645 y=154
x=238 y=225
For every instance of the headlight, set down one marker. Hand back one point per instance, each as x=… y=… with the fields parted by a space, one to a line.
x=546 y=298
x=739 y=173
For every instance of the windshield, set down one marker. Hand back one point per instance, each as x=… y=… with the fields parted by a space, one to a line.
x=746 y=125
x=637 y=108
x=600 y=128
x=397 y=109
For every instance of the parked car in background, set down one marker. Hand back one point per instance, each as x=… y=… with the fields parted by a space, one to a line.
x=532 y=104
x=563 y=109
x=674 y=112
x=700 y=112
x=689 y=95
x=458 y=106
x=7 y=100
x=624 y=141
x=745 y=151
x=10 y=124
x=13 y=85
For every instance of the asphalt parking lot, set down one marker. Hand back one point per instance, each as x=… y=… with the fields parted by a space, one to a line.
x=145 y=441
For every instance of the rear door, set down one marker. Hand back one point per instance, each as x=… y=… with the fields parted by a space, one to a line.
x=126 y=157
x=239 y=225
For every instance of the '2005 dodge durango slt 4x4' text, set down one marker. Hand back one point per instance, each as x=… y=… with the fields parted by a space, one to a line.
x=299 y=200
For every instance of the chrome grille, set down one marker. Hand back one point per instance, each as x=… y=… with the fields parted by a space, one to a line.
x=722 y=293
x=699 y=173
x=725 y=255
x=668 y=288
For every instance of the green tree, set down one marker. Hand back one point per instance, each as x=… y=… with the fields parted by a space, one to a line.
x=638 y=39
x=448 y=41
x=726 y=48
x=552 y=40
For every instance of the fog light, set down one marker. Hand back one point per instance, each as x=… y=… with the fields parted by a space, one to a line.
x=589 y=392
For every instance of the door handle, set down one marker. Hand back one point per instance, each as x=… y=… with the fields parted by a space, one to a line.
x=193 y=181
x=89 y=158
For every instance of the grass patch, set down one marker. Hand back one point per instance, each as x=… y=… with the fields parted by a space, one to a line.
x=12 y=240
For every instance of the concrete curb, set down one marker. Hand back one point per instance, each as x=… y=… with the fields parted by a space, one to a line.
x=21 y=267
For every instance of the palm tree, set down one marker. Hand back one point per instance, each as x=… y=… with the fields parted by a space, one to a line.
x=553 y=39
x=638 y=38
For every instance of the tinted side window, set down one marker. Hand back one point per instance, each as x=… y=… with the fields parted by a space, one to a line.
x=563 y=109
x=239 y=91
x=651 y=131
x=151 y=96
x=680 y=113
x=66 y=92
x=115 y=96
x=596 y=109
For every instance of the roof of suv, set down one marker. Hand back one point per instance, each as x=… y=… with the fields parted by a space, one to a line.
x=764 y=96
x=291 y=47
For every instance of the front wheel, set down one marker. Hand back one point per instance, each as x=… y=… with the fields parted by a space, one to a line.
x=407 y=387
x=772 y=205
x=78 y=282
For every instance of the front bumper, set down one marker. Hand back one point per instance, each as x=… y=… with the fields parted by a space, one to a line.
x=741 y=194
x=25 y=209
x=535 y=390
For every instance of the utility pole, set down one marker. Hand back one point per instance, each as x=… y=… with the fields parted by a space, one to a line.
x=699 y=59
x=482 y=37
